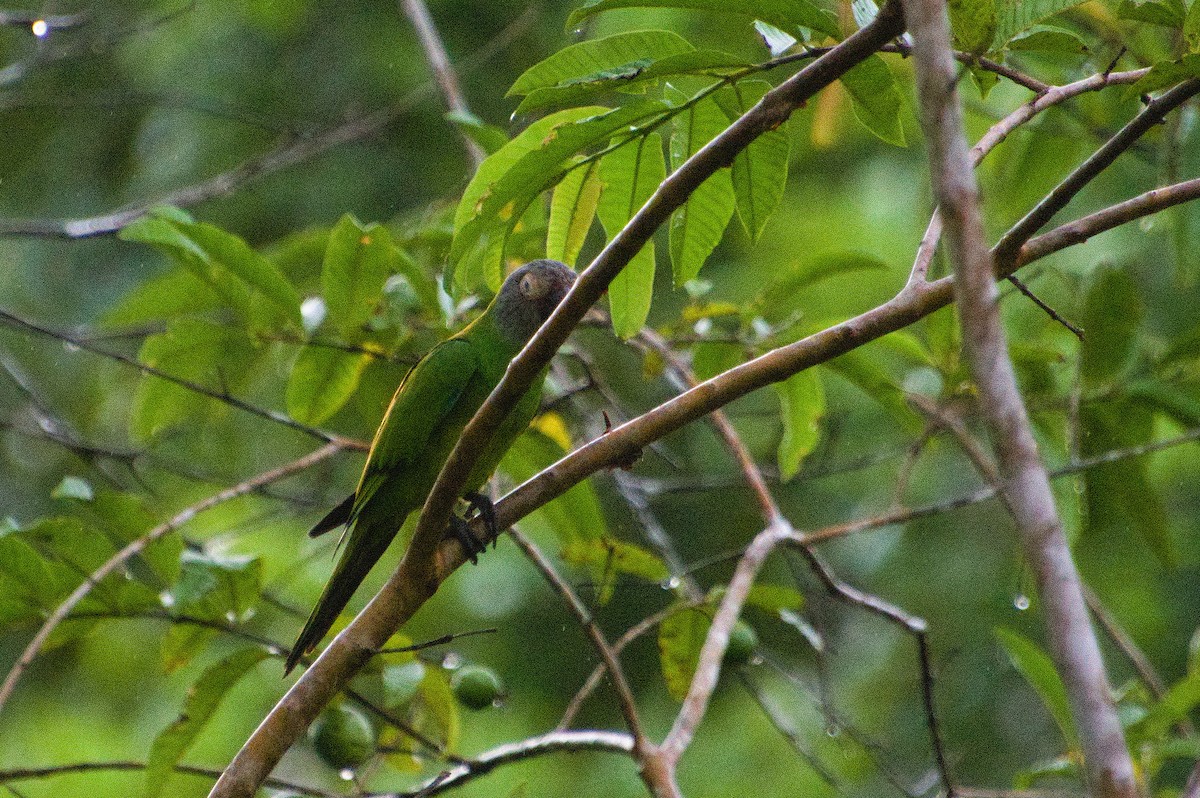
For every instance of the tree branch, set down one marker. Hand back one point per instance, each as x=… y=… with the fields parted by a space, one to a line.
x=1072 y=641
x=427 y=562
x=443 y=72
x=553 y=742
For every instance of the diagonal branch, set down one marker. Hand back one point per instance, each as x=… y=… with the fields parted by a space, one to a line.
x=443 y=72
x=426 y=562
x=1073 y=643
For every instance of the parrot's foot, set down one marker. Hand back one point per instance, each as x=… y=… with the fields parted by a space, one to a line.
x=487 y=511
x=472 y=546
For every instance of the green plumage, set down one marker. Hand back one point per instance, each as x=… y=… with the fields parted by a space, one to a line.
x=423 y=422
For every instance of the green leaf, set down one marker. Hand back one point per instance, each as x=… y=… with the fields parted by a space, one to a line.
x=680 y=638
x=241 y=276
x=875 y=382
x=358 y=260
x=783 y=14
x=973 y=23
x=401 y=683
x=1112 y=314
x=27 y=578
x=773 y=599
x=1120 y=495
x=176 y=292
x=73 y=487
x=572 y=209
x=784 y=294
x=322 y=380
x=606 y=558
x=203 y=699
x=1014 y=16
x=1191 y=27
x=1165 y=74
x=1180 y=700
x=490 y=137
x=575 y=515
x=802 y=404
x=760 y=170
x=435 y=709
x=697 y=226
x=508 y=181
x=630 y=174
x=1049 y=39
x=600 y=59
x=213 y=586
x=1035 y=665
x=1168 y=13
x=876 y=99
x=200 y=352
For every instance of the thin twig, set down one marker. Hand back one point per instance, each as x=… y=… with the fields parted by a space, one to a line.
x=443 y=72
x=137 y=545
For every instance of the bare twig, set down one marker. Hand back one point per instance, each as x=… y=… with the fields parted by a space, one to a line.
x=1008 y=247
x=134 y=547
x=443 y=72
x=1073 y=644
x=554 y=742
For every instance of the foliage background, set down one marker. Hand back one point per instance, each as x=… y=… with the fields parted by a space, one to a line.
x=141 y=99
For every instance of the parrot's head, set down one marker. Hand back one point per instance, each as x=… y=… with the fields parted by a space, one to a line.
x=530 y=295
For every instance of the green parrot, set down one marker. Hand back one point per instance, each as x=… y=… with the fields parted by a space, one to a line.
x=431 y=407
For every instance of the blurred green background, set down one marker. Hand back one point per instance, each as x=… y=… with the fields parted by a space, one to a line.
x=139 y=99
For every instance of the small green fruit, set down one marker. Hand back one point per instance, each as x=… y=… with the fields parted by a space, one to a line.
x=343 y=737
x=476 y=687
x=742 y=642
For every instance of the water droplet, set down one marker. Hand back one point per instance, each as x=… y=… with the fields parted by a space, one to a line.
x=451 y=661
x=166 y=599
x=1021 y=602
x=832 y=729
x=346 y=774
x=1146 y=223
x=671 y=584
x=70 y=347
x=40 y=28
x=757 y=660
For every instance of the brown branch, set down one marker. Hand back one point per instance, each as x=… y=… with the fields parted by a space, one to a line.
x=998 y=132
x=1008 y=247
x=134 y=547
x=1073 y=643
x=443 y=72
x=427 y=561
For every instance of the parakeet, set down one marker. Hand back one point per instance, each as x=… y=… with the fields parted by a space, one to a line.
x=427 y=414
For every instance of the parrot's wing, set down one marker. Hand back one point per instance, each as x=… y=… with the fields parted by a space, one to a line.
x=422 y=402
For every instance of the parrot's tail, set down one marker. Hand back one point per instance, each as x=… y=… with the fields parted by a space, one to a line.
x=334 y=518
x=363 y=549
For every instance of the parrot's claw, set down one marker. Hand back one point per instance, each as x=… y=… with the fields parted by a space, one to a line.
x=487 y=511
x=472 y=546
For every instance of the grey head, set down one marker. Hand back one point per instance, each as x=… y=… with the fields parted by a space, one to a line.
x=528 y=297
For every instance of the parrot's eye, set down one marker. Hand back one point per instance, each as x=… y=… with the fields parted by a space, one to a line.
x=531 y=287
